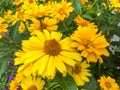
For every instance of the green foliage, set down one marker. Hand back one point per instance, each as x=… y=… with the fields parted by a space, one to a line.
x=108 y=24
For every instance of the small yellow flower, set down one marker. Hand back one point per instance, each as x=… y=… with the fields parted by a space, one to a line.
x=62 y=10
x=36 y=11
x=83 y=1
x=48 y=51
x=49 y=24
x=80 y=73
x=32 y=83
x=91 y=44
x=108 y=83
x=13 y=85
x=3 y=27
x=83 y=23
x=115 y=4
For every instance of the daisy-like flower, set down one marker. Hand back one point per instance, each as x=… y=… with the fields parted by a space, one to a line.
x=49 y=24
x=13 y=85
x=83 y=1
x=108 y=83
x=32 y=83
x=115 y=4
x=91 y=44
x=46 y=53
x=3 y=27
x=83 y=23
x=80 y=73
x=62 y=10
x=36 y=11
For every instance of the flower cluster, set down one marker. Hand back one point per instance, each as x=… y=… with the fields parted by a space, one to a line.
x=51 y=40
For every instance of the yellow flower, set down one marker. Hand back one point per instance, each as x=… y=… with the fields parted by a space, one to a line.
x=3 y=27
x=108 y=83
x=80 y=72
x=46 y=53
x=91 y=44
x=115 y=4
x=62 y=10
x=83 y=23
x=83 y=1
x=36 y=11
x=13 y=85
x=32 y=83
x=49 y=24
x=17 y=2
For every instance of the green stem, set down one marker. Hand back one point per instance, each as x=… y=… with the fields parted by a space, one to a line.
x=94 y=2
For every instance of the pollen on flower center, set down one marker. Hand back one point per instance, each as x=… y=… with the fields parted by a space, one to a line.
x=52 y=47
x=77 y=69
x=88 y=44
x=108 y=85
x=33 y=87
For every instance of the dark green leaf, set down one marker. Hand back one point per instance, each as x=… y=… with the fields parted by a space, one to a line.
x=117 y=49
x=67 y=83
x=91 y=85
x=77 y=7
x=3 y=66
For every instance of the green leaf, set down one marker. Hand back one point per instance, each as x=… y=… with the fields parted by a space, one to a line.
x=3 y=65
x=91 y=85
x=77 y=7
x=14 y=33
x=117 y=49
x=67 y=83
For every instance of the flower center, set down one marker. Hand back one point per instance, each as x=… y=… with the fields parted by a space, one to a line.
x=108 y=85
x=52 y=47
x=33 y=87
x=44 y=25
x=77 y=69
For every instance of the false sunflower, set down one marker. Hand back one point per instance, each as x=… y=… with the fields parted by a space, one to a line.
x=115 y=4
x=49 y=24
x=80 y=73
x=91 y=44
x=83 y=23
x=3 y=27
x=32 y=83
x=83 y=1
x=46 y=53
x=62 y=10
x=108 y=83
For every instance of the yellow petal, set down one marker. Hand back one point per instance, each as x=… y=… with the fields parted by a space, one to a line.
x=46 y=34
x=32 y=56
x=60 y=65
x=73 y=55
x=67 y=60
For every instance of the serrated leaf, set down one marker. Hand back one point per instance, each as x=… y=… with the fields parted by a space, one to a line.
x=67 y=83
x=91 y=85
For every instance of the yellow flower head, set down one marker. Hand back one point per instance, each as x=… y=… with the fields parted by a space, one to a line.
x=36 y=11
x=46 y=53
x=13 y=85
x=32 y=83
x=83 y=23
x=80 y=73
x=115 y=4
x=3 y=27
x=49 y=24
x=91 y=44
x=108 y=83
x=62 y=10
x=83 y=1
x=17 y=2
